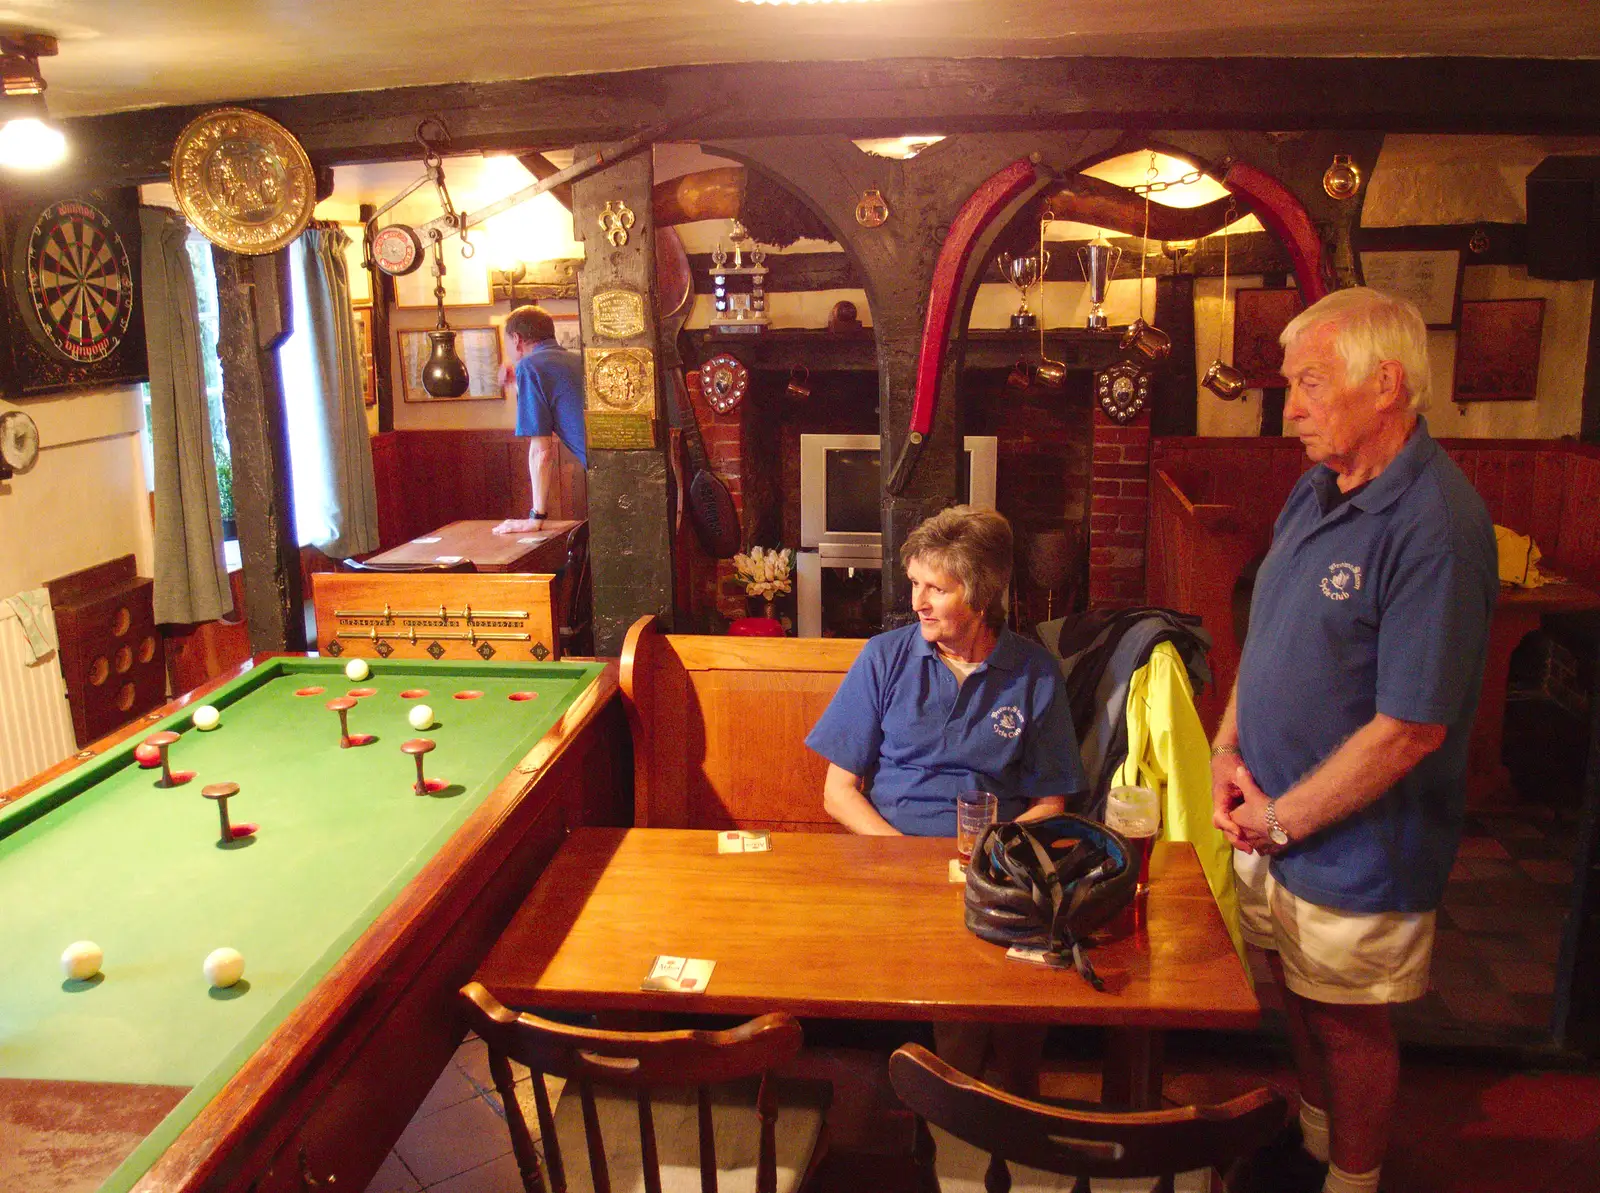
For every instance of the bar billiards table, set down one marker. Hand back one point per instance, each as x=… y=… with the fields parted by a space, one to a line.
x=359 y=905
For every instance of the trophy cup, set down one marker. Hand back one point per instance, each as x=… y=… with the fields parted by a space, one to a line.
x=1023 y=273
x=1099 y=260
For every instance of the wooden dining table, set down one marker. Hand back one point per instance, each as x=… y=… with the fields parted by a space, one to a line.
x=831 y=925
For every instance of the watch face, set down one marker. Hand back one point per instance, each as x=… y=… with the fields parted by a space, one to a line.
x=396 y=250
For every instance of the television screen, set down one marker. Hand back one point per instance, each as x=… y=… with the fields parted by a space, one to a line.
x=852 y=487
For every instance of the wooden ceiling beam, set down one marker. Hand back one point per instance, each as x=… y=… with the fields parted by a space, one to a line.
x=898 y=96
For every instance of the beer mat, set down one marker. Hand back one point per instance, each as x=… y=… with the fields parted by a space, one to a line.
x=744 y=841
x=1035 y=956
x=431 y=538
x=678 y=975
x=448 y=558
x=958 y=872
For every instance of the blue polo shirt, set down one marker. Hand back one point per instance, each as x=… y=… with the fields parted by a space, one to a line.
x=550 y=396
x=919 y=737
x=1376 y=604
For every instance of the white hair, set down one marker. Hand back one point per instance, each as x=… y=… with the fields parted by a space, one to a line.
x=1371 y=327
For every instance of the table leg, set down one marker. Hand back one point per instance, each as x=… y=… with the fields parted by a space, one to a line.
x=1488 y=780
x=1130 y=1077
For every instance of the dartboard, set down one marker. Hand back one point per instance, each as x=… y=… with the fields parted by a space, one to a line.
x=79 y=281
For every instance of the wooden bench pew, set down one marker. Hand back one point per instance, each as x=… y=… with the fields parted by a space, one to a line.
x=719 y=726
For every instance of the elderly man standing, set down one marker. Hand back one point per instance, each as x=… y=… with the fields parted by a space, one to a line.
x=1342 y=755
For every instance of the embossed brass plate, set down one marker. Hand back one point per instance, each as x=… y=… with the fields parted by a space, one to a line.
x=620 y=380
x=616 y=431
x=243 y=180
x=618 y=314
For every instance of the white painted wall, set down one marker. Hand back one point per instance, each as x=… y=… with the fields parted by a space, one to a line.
x=85 y=500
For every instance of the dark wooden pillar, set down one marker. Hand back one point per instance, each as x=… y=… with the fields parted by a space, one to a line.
x=630 y=541
x=1175 y=408
x=382 y=291
x=253 y=314
x=1589 y=427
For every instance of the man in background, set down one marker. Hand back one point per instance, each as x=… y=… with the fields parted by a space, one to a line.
x=549 y=381
x=1338 y=771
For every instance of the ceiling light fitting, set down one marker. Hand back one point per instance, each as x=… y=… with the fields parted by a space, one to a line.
x=27 y=142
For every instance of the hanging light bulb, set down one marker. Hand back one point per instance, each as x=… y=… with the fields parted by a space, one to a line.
x=444 y=375
x=27 y=142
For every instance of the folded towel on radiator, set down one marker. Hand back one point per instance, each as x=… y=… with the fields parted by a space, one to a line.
x=32 y=609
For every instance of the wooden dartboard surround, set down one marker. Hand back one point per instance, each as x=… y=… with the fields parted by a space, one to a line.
x=73 y=310
x=111 y=652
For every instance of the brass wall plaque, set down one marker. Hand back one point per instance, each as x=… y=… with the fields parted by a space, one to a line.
x=618 y=314
x=620 y=380
x=243 y=180
x=616 y=431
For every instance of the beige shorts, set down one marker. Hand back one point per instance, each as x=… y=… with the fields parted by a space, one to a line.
x=1330 y=955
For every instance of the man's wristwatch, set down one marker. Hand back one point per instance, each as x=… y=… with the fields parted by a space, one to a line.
x=1219 y=751
x=1275 y=831
x=539 y=514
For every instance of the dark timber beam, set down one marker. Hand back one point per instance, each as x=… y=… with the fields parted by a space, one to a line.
x=889 y=96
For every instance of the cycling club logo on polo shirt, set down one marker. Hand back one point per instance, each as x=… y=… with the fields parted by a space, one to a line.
x=1342 y=581
x=1008 y=721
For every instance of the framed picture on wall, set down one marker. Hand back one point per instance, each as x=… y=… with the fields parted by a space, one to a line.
x=362 y=311
x=1259 y=317
x=1497 y=350
x=567 y=334
x=479 y=349
x=1430 y=279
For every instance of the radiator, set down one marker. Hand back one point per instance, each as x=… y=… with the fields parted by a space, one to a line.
x=35 y=721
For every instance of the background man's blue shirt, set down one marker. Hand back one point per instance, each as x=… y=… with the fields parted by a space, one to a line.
x=1380 y=604
x=550 y=396
x=918 y=737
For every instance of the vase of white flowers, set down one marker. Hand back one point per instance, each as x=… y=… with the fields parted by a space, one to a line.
x=765 y=574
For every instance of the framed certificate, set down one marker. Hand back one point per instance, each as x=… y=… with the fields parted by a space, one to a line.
x=1430 y=279
x=479 y=349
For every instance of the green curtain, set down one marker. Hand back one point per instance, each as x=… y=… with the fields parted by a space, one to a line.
x=191 y=580
x=326 y=318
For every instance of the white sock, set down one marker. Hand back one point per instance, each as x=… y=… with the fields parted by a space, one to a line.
x=1314 y=1131
x=1340 y=1181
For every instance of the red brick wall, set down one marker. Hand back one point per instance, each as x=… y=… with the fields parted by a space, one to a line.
x=1119 y=510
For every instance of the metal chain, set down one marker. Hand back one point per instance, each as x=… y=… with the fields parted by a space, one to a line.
x=1154 y=186
x=433 y=163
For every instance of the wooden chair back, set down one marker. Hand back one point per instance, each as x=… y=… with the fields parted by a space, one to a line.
x=1079 y=1142
x=637 y=1061
x=719 y=726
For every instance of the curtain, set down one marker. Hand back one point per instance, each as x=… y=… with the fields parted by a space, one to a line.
x=191 y=580
x=336 y=504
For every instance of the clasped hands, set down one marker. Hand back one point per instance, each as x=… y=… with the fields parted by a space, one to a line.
x=1239 y=806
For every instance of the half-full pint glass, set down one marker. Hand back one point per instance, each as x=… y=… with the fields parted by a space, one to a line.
x=1135 y=812
x=975 y=811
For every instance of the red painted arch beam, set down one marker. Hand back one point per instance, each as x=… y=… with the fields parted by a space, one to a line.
x=1283 y=214
x=980 y=208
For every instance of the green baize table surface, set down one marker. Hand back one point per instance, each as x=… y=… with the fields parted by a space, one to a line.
x=103 y=854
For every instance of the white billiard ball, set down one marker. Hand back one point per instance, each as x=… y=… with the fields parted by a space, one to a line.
x=82 y=960
x=357 y=670
x=224 y=967
x=420 y=716
x=207 y=717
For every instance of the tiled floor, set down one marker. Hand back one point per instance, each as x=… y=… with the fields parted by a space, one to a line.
x=458 y=1142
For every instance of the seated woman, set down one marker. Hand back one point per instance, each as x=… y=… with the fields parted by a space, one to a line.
x=955 y=702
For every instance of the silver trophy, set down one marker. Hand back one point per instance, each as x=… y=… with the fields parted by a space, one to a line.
x=1023 y=273
x=1099 y=260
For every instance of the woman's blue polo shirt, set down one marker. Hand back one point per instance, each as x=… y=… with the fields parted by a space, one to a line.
x=918 y=737
x=1377 y=604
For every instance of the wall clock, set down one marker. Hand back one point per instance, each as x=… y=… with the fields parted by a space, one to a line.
x=73 y=315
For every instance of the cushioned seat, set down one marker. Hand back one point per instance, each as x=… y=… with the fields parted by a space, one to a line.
x=737 y=1130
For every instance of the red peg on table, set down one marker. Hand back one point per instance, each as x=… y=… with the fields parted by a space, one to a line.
x=222 y=793
x=417 y=747
x=163 y=742
x=342 y=705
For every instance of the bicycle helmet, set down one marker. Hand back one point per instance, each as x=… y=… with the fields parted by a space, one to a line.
x=1048 y=884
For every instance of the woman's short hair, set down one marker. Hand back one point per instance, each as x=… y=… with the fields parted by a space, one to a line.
x=1372 y=327
x=531 y=323
x=974 y=547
